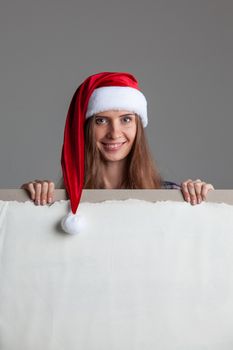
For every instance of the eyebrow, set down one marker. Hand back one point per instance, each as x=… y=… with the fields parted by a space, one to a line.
x=123 y=115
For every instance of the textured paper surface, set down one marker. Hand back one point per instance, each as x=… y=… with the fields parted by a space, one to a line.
x=141 y=276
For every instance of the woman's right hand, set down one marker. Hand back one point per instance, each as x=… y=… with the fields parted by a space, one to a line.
x=41 y=192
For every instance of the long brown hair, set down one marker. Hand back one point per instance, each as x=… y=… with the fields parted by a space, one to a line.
x=142 y=172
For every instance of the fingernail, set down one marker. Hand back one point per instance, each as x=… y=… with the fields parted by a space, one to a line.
x=37 y=202
x=50 y=200
x=43 y=202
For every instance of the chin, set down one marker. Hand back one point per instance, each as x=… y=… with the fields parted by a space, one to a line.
x=113 y=158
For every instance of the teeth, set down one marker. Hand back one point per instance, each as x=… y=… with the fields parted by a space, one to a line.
x=113 y=146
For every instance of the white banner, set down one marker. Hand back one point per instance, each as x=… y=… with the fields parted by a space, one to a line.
x=140 y=276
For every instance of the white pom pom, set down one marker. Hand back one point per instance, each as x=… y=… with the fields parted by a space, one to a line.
x=73 y=223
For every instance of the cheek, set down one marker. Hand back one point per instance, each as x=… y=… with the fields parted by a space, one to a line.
x=98 y=134
x=132 y=134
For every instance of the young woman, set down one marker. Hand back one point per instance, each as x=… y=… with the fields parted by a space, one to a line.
x=104 y=134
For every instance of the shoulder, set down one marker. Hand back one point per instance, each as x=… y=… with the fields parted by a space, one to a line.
x=166 y=185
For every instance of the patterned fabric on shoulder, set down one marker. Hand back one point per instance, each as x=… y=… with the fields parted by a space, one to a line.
x=168 y=185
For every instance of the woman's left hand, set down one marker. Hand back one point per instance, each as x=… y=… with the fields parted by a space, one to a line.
x=195 y=191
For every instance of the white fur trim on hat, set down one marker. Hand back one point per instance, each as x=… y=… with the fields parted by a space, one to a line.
x=118 y=97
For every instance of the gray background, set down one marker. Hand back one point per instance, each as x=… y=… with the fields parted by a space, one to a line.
x=181 y=51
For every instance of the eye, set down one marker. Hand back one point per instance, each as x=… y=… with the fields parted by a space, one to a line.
x=127 y=120
x=100 y=121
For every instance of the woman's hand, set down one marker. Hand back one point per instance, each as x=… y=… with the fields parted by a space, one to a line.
x=42 y=192
x=195 y=191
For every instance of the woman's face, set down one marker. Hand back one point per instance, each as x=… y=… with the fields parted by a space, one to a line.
x=115 y=131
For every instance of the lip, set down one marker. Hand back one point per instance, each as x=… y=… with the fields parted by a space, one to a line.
x=113 y=146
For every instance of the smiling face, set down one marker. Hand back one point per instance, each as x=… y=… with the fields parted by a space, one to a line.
x=114 y=133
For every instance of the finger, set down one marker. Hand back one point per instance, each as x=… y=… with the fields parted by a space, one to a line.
x=38 y=181
x=198 y=188
x=192 y=192
x=186 y=182
x=51 y=191
x=31 y=189
x=38 y=187
x=185 y=191
x=44 y=191
x=197 y=180
x=205 y=189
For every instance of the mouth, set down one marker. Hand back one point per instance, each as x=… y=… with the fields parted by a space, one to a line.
x=113 y=146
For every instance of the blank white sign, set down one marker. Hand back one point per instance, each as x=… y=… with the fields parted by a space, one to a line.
x=140 y=276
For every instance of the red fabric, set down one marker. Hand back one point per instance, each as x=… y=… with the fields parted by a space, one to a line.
x=72 y=158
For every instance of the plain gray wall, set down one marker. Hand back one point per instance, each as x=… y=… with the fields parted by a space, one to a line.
x=181 y=51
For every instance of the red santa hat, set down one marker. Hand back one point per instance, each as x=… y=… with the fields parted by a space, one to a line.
x=98 y=93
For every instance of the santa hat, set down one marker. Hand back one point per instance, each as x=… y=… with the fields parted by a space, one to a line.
x=98 y=93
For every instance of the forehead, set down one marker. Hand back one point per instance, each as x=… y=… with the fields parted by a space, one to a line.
x=114 y=113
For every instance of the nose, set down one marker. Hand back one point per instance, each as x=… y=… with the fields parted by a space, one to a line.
x=114 y=130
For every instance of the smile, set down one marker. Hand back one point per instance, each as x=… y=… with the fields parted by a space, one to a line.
x=113 y=146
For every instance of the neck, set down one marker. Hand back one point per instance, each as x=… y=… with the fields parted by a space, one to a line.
x=113 y=174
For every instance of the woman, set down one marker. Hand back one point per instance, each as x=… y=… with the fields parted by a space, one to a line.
x=104 y=134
